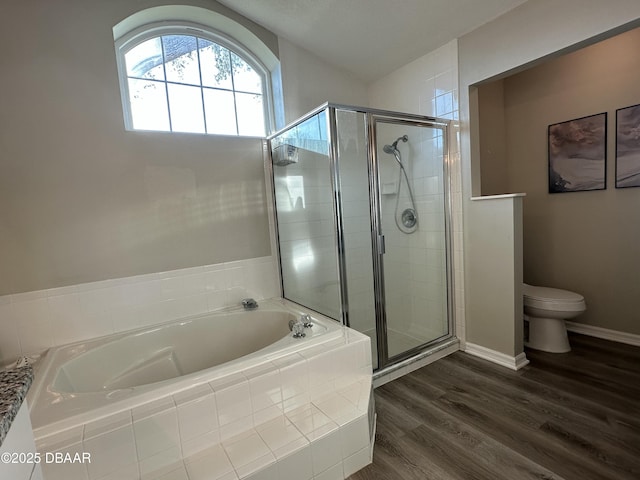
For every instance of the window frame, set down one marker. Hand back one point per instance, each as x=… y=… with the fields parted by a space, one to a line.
x=141 y=34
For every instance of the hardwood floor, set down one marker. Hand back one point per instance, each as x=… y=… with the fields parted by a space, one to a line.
x=573 y=416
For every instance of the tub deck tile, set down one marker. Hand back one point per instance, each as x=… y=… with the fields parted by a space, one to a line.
x=210 y=464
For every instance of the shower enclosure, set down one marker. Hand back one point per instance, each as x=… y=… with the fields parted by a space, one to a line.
x=362 y=210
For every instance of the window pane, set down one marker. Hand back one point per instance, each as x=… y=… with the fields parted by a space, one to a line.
x=215 y=65
x=250 y=114
x=145 y=60
x=186 y=108
x=185 y=83
x=148 y=105
x=220 y=111
x=181 y=58
x=245 y=78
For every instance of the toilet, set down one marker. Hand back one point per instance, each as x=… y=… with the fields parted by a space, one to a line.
x=546 y=309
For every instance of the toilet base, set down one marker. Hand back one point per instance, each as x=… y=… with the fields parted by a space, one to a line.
x=547 y=335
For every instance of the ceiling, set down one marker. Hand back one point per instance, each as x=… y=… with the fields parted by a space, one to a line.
x=370 y=38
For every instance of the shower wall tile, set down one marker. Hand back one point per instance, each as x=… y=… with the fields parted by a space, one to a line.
x=429 y=86
x=34 y=321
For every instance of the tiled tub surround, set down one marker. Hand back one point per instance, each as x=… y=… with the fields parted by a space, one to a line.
x=32 y=322
x=298 y=415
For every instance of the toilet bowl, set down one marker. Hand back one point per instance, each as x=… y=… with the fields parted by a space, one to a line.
x=546 y=309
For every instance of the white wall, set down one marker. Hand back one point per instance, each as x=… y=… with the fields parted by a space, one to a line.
x=511 y=42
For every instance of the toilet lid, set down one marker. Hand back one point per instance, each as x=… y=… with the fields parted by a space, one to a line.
x=551 y=297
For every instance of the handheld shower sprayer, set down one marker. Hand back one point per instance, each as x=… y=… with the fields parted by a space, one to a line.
x=409 y=217
x=390 y=149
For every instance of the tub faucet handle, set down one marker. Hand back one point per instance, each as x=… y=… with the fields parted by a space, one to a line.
x=297 y=328
x=249 y=304
x=305 y=318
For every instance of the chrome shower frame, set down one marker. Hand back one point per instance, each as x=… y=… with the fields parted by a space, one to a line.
x=372 y=118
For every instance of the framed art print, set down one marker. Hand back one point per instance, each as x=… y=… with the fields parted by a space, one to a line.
x=628 y=147
x=577 y=154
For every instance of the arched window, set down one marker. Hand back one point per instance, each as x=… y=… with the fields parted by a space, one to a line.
x=185 y=78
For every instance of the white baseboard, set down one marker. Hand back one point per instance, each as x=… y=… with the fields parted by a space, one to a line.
x=514 y=363
x=604 y=333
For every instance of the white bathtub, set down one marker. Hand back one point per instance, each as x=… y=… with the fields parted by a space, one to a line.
x=247 y=360
x=85 y=380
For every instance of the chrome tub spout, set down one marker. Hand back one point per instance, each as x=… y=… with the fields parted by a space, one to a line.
x=249 y=304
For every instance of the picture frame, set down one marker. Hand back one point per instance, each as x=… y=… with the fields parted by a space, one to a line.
x=578 y=154
x=628 y=147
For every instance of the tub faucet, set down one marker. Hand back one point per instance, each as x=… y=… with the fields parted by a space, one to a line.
x=249 y=304
x=297 y=328
x=305 y=318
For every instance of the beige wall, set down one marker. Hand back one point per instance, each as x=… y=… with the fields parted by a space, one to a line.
x=496 y=250
x=308 y=82
x=583 y=241
x=81 y=199
x=492 y=143
x=524 y=35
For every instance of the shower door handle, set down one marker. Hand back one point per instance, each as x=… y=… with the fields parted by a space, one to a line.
x=381 y=247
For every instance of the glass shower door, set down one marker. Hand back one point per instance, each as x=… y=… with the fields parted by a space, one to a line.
x=411 y=179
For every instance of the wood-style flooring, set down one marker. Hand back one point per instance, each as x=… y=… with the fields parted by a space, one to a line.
x=573 y=416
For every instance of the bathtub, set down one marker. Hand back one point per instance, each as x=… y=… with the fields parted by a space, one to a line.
x=202 y=384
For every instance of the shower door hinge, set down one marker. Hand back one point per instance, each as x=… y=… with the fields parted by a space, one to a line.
x=381 y=249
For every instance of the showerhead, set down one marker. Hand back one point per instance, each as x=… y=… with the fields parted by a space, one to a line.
x=391 y=149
